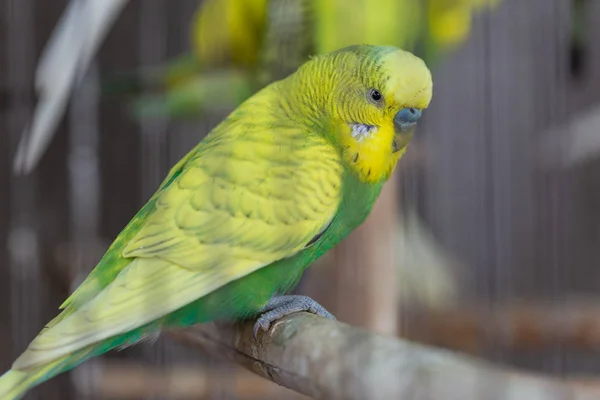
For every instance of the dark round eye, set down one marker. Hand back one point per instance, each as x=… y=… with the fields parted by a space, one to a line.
x=375 y=95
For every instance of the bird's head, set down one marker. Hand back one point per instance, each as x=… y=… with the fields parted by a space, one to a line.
x=369 y=99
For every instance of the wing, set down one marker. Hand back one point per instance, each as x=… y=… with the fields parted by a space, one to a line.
x=240 y=203
x=73 y=44
x=251 y=198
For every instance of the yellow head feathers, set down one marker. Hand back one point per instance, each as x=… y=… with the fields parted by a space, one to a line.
x=366 y=99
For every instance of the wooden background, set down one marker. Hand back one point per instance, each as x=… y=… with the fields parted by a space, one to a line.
x=519 y=231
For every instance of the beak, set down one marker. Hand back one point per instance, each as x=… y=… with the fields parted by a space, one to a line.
x=405 y=122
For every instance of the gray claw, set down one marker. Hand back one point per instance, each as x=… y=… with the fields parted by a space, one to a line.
x=281 y=306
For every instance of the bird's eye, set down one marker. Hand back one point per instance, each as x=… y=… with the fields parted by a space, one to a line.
x=375 y=96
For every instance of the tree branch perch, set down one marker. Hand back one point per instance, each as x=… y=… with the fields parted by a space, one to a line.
x=330 y=360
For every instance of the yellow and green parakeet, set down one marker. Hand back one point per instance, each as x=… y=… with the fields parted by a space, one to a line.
x=284 y=178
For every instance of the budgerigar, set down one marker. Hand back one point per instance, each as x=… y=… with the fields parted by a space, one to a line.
x=284 y=178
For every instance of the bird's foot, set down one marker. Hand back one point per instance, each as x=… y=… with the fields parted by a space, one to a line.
x=281 y=306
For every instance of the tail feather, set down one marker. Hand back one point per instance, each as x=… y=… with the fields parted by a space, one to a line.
x=14 y=384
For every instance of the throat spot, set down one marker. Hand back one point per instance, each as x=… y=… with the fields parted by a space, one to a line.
x=360 y=131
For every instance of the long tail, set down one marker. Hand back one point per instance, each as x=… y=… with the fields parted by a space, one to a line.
x=14 y=384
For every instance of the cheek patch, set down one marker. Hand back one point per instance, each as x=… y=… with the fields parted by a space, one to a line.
x=361 y=131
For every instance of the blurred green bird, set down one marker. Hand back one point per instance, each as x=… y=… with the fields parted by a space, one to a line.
x=239 y=46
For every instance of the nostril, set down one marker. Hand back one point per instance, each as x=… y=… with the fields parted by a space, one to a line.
x=408 y=116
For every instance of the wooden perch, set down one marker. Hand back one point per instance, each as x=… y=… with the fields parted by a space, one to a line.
x=330 y=360
x=367 y=297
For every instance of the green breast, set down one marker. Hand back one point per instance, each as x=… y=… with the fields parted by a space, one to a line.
x=357 y=200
